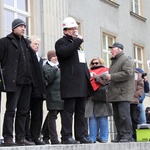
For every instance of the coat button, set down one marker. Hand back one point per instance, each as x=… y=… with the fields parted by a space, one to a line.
x=13 y=81
x=16 y=60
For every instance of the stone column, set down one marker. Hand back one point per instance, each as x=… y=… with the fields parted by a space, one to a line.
x=53 y=13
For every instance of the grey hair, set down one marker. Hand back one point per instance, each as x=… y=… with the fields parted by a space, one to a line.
x=34 y=37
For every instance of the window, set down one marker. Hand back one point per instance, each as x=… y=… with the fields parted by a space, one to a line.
x=79 y=27
x=16 y=9
x=138 y=56
x=135 y=6
x=80 y=31
x=106 y=41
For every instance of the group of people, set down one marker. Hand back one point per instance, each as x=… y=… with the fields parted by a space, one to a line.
x=68 y=86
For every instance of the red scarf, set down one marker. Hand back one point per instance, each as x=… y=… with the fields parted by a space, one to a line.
x=98 y=71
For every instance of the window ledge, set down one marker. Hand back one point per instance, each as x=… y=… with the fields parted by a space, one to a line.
x=137 y=16
x=111 y=3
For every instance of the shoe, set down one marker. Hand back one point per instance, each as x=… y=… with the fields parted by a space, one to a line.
x=29 y=139
x=97 y=139
x=55 y=142
x=24 y=142
x=9 y=142
x=101 y=141
x=115 y=140
x=126 y=140
x=87 y=137
x=46 y=141
x=38 y=142
x=85 y=141
x=69 y=141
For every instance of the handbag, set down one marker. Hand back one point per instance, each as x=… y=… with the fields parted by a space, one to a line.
x=101 y=94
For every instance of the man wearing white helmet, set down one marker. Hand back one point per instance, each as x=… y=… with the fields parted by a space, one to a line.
x=75 y=82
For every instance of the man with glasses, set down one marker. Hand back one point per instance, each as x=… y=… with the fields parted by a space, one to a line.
x=75 y=82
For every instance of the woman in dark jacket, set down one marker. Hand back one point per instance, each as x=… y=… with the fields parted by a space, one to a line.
x=97 y=112
x=53 y=98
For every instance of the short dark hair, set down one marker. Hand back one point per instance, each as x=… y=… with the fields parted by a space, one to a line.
x=65 y=29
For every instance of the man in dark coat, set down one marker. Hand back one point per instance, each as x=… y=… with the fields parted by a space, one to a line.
x=75 y=82
x=20 y=71
x=33 y=126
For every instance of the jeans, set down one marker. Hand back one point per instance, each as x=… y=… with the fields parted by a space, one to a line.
x=103 y=125
x=142 y=118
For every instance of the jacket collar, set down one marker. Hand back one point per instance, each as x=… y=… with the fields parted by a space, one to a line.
x=96 y=67
x=13 y=37
x=68 y=37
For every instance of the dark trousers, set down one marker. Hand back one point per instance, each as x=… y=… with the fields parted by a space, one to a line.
x=45 y=130
x=34 y=119
x=74 y=106
x=52 y=124
x=49 y=129
x=86 y=120
x=122 y=119
x=16 y=101
x=135 y=115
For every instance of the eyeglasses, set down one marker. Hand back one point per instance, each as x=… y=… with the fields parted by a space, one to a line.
x=96 y=63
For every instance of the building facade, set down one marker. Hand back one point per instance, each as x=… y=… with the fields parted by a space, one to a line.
x=101 y=22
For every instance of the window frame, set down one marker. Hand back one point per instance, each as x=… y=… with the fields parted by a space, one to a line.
x=105 y=48
x=137 y=62
x=133 y=6
x=17 y=13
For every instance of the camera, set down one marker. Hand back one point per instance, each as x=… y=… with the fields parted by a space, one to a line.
x=143 y=75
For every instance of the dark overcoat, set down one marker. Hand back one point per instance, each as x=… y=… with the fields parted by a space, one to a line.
x=9 y=58
x=75 y=77
x=35 y=89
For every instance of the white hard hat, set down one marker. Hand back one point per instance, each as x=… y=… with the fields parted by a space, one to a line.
x=69 y=22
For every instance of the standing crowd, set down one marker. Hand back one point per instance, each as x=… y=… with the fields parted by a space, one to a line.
x=70 y=89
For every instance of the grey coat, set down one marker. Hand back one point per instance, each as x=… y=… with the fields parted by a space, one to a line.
x=53 y=98
x=99 y=109
x=121 y=86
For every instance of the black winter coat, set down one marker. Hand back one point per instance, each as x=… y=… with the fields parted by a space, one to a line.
x=75 y=77
x=35 y=90
x=9 y=59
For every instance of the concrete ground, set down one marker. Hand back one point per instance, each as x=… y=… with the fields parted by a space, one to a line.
x=96 y=146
